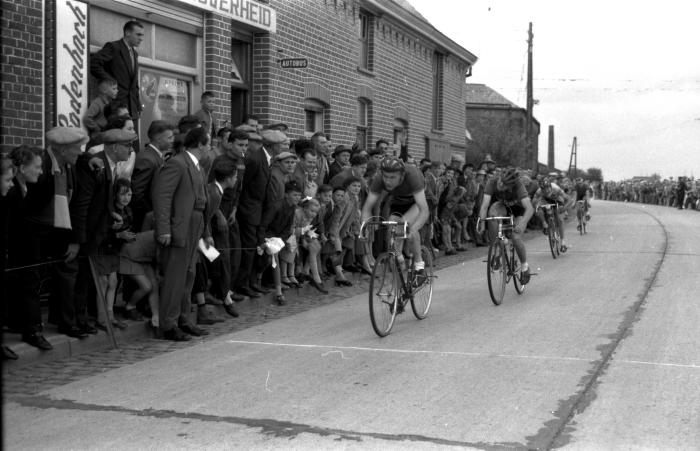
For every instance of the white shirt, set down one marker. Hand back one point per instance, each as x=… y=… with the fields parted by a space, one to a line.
x=194 y=159
x=267 y=155
x=221 y=190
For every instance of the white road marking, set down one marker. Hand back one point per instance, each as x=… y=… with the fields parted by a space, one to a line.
x=457 y=353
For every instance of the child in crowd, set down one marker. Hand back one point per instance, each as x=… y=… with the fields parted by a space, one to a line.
x=308 y=226
x=339 y=232
x=136 y=255
x=95 y=119
x=279 y=225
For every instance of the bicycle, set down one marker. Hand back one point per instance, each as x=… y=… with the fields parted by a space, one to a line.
x=552 y=229
x=581 y=215
x=502 y=262
x=391 y=286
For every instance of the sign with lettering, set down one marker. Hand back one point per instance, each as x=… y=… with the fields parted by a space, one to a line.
x=250 y=12
x=294 y=63
x=71 y=62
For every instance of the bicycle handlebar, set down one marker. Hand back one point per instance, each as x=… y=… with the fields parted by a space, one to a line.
x=378 y=222
x=547 y=206
x=496 y=218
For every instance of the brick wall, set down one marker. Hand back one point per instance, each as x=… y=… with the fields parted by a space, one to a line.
x=326 y=33
x=217 y=63
x=22 y=74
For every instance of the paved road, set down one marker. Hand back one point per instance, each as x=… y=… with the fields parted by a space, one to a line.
x=601 y=352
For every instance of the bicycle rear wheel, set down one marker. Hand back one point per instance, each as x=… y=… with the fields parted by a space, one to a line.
x=551 y=231
x=384 y=289
x=581 y=223
x=517 y=270
x=423 y=293
x=496 y=271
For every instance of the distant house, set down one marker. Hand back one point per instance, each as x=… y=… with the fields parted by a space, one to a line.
x=496 y=126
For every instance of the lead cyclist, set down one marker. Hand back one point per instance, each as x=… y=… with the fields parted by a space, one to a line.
x=406 y=185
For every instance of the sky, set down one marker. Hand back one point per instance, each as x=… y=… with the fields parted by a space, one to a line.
x=623 y=77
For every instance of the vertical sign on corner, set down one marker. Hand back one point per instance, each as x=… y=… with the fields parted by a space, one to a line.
x=71 y=64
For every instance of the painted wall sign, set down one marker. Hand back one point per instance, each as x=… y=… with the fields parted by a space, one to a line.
x=71 y=62
x=247 y=11
x=294 y=63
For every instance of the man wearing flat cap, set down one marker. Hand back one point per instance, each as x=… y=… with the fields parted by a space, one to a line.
x=250 y=207
x=91 y=215
x=48 y=220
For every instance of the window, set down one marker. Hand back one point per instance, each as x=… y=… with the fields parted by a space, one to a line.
x=365 y=39
x=400 y=131
x=438 y=63
x=241 y=55
x=363 y=110
x=313 y=111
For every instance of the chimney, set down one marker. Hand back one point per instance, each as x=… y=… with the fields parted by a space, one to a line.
x=550 y=150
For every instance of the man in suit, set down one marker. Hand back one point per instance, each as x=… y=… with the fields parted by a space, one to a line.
x=250 y=206
x=179 y=205
x=120 y=61
x=92 y=206
x=147 y=164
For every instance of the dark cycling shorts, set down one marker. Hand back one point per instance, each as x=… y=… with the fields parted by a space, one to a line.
x=515 y=210
x=400 y=209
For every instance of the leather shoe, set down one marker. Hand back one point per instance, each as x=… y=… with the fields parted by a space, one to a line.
x=318 y=286
x=193 y=330
x=175 y=334
x=9 y=354
x=259 y=289
x=119 y=324
x=37 y=340
x=235 y=297
x=87 y=328
x=133 y=314
x=231 y=310
x=248 y=292
x=72 y=331
x=280 y=299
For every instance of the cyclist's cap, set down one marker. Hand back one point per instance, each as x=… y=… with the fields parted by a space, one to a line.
x=480 y=172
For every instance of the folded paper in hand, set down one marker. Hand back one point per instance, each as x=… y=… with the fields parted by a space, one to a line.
x=210 y=252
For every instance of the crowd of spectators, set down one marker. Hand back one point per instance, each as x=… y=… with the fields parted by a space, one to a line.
x=681 y=193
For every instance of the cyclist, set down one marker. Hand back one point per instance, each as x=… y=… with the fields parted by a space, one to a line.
x=506 y=195
x=551 y=193
x=583 y=192
x=406 y=186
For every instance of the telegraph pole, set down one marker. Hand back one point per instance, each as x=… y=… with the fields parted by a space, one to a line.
x=573 y=160
x=529 y=152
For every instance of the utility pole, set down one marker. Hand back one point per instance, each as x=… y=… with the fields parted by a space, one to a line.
x=529 y=151
x=573 y=160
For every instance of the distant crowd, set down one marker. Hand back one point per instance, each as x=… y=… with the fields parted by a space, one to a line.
x=681 y=193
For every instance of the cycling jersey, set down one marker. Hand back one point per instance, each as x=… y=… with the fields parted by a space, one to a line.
x=413 y=182
x=554 y=195
x=581 y=190
x=510 y=196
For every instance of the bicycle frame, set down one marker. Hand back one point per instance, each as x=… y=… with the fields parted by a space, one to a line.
x=502 y=247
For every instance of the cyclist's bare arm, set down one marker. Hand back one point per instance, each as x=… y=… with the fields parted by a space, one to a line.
x=483 y=211
x=371 y=200
x=525 y=218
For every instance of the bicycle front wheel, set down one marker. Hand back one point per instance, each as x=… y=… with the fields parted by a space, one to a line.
x=496 y=271
x=551 y=235
x=423 y=289
x=517 y=270
x=384 y=289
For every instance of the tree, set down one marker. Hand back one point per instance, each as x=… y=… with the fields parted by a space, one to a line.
x=595 y=174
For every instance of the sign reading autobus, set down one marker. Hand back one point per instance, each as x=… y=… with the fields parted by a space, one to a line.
x=294 y=63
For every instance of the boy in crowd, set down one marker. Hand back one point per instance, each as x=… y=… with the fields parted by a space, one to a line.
x=95 y=119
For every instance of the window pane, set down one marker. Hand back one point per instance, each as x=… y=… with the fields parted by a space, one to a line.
x=176 y=47
x=106 y=26
x=165 y=96
x=362 y=113
x=310 y=121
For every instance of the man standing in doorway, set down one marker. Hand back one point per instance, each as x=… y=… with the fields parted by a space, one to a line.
x=120 y=61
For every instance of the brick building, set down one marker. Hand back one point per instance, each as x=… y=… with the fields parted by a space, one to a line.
x=497 y=127
x=358 y=70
